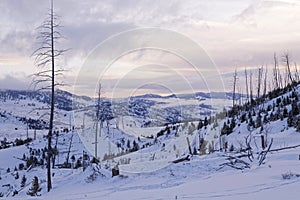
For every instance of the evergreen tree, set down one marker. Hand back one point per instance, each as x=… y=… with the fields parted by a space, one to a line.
x=243 y=118
x=295 y=110
x=205 y=121
x=285 y=112
x=232 y=124
x=298 y=124
x=17 y=175
x=128 y=144
x=135 y=146
x=23 y=181
x=231 y=149
x=35 y=188
x=290 y=120
x=258 y=121
x=195 y=151
x=200 y=125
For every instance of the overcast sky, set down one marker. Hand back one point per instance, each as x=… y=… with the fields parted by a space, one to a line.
x=233 y=33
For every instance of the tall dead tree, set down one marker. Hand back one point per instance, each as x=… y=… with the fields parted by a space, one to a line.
x=276 y=73
x=240 y=91
x=45 y=59
x=259 y=81
x=297 y=78
x=98 y=104
x=234 y=88
x=286 y=61
x=247 y=88
x=251 y=88
x=265 y=82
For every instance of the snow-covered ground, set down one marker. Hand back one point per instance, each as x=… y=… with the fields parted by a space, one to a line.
x=197 y=179
x=149 y=173
x=203 y=177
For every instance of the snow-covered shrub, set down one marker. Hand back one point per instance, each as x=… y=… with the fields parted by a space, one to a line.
x=289 y=175
x=35 y=187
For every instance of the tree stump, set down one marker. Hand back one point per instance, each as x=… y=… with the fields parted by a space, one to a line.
x=115 y=171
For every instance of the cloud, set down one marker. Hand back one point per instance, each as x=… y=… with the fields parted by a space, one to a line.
x=82 y=38
x=234 y=33
x=17 y=43
x=15 y=81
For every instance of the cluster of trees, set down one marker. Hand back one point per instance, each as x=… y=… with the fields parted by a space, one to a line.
x=281 y=108
x=129 y=146
x=18 y=142
x=283 y=77
x=284 y=80
x=35 y=158
x=37 y=124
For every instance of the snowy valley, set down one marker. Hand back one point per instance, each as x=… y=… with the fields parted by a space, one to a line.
x=197 y=151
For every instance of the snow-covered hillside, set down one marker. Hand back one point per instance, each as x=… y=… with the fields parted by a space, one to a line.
x=170 y=147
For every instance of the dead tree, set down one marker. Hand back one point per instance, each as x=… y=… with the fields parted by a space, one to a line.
x=240 y=91
x=247 y=88
x=259 y=81
x=286 y=61
x=276 y=73
x=186 y=158
x=69 y=150
x=297 y=78
x=55 y=149
x=281 y=149
x=265 y=82
x=248 y=148
x=264 y=153
x=234 y=88
x=45 y=59
x=98 y=104
x=189 y=146
x=251 y=88
x=265 y=86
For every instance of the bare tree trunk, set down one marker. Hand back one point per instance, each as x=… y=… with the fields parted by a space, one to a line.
x=240 y=96
x=45 y=57
x=286 y=77
x=49 y=183
x=280 y=80
x=97 y=120
x=247 y=89
x=286 y=59
x=251 y=88
x=276 y=73
x=189 y=146
x=69 y=150
x=259 y=77
x=296 y=73
x=55 y=151
x=234 y=88
x=96 y=140
x=265 y=83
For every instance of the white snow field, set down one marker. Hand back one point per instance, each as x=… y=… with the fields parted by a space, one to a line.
x=200 y=178
x=149 y=173
x=197 y=179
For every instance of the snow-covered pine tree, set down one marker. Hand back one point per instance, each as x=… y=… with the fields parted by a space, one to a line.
x=17 y=175
x=35 y=187
x=23 y=181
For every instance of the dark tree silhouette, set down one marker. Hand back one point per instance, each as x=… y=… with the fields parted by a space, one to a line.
x=35 y=187
x=45 y=59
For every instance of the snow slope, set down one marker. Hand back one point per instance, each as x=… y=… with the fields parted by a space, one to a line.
x=149 y=172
